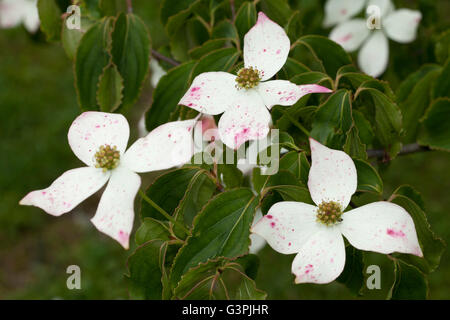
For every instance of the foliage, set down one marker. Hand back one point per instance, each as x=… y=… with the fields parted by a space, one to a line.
x=409 y=106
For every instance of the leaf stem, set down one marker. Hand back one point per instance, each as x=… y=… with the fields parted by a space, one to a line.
x=162 y=211
x=161 y=57
x=295 y=122
x=233 y=10
x=129 y=6
x=406 y=149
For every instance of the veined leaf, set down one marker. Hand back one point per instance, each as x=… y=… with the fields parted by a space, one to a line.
x=50 y=19
x=221 y=229
x=170 y=89
x=333 y=117
x=131 y=54
x=91 y=58
x=409 y=284
x=435 y=131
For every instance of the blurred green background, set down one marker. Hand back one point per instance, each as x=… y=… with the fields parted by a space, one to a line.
x=38 y=104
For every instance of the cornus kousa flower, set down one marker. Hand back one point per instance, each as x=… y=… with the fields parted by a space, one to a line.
x=14 y=12
x=100 y=140
x=371 y=34
x=315 y=232
x=246 y=97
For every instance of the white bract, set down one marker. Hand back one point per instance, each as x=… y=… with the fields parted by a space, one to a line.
x=315 y=233
x=15 y=12
x=245 y=99
x=398 y=25
x=99 y=140
x=257 y=242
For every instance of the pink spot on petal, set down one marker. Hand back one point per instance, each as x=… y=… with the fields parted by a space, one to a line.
x=345 y=38
x=394 y=233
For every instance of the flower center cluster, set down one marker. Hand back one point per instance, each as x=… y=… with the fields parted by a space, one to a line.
x=329 y=213
x=247 y=78
x=107 y=157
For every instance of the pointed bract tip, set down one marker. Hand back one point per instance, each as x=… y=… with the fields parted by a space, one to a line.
x=261 y=15
x=25 y=201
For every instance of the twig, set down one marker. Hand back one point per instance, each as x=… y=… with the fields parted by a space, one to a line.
x=129 y=6
x=406 y=149
x=161 y=57
x=233 y=10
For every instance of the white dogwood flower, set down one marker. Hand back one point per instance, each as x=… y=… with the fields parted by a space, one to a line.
x=15 y=12
x=245 y=99
x=398 y=25
x=99 y=140
x=315 y=232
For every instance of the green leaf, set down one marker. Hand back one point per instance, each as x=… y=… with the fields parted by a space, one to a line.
x=70 y=38
x=131 y=54
x=353 y=274
x=202 y=282
x=293 y=193
x=351 y=75
x=250 y=264
x=151 y=229
x=221 y=229
x=110 y=86
x=175 y=21
x=248 y=291
x=353 y=144
x=412 y=194
x=364 y=127
x=368 y=178
x=170 y=89
x=207 y=47
x=333 y=117
x=230 y=175
x=415 y=105
x=288 y=186
x=144 y=265
x=326 y=52
x=277 y=10
x=296 y=163
x=167 y=191
x=91 y=58
x=173 y=7
x=245 y=18
x=50 y=18
x=409 y=283
x=218 y=60
x=435 y=132
x=112 y=7
x=432 y=246
x=405 y=88
x=89 y=8
x=442 y=84
x=291 y=69
x=387 y=117
x=442 y=48
x=199 y=191
x=312 y=77
x=293 y=26
x=225 y=29
x=210 y=280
